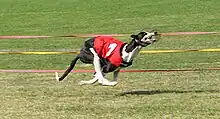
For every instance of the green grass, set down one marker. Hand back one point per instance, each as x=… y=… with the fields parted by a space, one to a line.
x=180 y=95
x=168 y=95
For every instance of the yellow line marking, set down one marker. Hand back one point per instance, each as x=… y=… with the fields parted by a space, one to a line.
x=210 y=50
x=162 y=51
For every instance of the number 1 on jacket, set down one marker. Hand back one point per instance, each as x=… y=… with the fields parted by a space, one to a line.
x=111 y=47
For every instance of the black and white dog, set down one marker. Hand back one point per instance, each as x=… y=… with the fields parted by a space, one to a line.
x=109 y=54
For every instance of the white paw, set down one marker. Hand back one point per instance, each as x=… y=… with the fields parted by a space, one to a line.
x=112 y=83
x=105 y=82
x=83 y=82
x=88 y=82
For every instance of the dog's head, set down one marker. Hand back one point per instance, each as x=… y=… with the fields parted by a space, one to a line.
x=145 y=38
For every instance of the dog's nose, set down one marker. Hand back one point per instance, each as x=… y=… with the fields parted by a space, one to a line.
x=155 y=33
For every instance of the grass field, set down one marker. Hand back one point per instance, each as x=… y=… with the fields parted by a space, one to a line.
x=154 y=95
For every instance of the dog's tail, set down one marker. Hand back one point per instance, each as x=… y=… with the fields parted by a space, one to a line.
x=68 y=69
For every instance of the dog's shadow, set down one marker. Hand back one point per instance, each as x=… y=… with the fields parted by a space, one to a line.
x=152 y=92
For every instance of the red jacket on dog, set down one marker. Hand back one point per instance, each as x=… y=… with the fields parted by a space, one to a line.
x=109 y=48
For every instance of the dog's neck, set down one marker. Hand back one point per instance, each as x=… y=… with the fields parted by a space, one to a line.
x=130 y=51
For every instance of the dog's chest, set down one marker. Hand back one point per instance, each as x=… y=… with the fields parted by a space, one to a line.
x=128 y=57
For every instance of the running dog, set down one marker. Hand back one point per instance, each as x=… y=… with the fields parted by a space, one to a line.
x=109 y=54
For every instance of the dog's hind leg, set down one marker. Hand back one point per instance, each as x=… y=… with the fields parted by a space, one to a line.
x=115 y=75
x=92 y=81
x=67 y=70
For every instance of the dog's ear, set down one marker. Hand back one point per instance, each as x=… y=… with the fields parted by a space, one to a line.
x=134 y=36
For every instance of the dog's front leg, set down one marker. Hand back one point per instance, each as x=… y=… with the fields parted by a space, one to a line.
x=99 y=74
